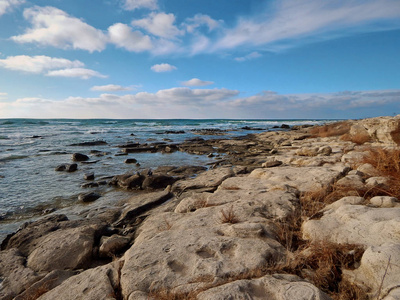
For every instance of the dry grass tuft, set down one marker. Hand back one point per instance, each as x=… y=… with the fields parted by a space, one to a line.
x=333 y=129
x=228 y=216
x=358 y=139
x=166 y=294
x=231 y=188
x=165 y=226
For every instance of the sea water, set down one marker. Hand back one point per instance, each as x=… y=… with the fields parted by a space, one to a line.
x=30 y=149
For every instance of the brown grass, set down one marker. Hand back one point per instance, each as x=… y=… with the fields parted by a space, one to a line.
x=231 y=188
x=358 y=139
x=41 y=290
x=228 y=216
x=333 y=129
x=166 y=294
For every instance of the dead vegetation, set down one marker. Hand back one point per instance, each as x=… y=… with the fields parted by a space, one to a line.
x=228 y=216
x=332 y=129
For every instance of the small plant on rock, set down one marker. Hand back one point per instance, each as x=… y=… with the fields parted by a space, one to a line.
x=228 y=216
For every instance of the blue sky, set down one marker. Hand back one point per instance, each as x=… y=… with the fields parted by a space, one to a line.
x=199 y=59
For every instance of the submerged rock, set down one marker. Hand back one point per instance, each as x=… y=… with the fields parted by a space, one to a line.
x=88 y=197
x=79 y=157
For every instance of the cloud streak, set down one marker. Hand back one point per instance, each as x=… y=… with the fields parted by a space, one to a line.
x=196 y=82
x=161 y=68
x=184 y=102
x=7 y=5
x=110 y=88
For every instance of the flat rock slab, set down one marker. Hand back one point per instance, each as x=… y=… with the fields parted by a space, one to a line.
x=303 y=178
x=210 y=178
x=63 y=249
x=178 y=249
x=93 y=284
x=285 y=287
x=140 y=204
x=355 y=224
x=15 y=276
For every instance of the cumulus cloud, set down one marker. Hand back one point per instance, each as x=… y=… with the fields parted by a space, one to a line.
x=110 y=88
x=123 y=37
x=191 y=24
x=76 y=72
x=159 y=24
x=136 y=4
x=7 y=5
x=196 y=82
x=54 y=27
x=290 y=22
x=250 y=56
x=163 y=68
x=37 y=64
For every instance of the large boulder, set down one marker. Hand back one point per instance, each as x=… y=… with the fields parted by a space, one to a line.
x=63 y=249
x=355 y=224
x=94 y=284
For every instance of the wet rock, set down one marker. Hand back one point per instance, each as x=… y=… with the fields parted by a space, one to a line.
x=157 y=181
x=89 y=185
x=63 y=249
x=79 y=157
x=60 y=168
x=112 y=245
x=88 y=176
x=130 y=161
x=285 y=126
x=88 y=197
x=67 y=168
x=92 y=143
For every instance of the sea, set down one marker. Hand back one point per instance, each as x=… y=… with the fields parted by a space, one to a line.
x=30 y=149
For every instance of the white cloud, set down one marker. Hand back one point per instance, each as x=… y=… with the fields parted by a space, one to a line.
x=291 y=22
x=163 y=68
x=250 y=56
x=159 y=24
x=136 y=4
x=196 y=82
x=209 y=103
x=76 y=72
x=191 y=24
x=110 y=88
x=7 y=5
x=3 y=96
x=53 y=27
x=37 y=64
x=123 y=36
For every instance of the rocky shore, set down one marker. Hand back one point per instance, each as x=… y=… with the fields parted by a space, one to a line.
x=307 y=213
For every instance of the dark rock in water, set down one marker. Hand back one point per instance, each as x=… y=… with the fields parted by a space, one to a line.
x=130 y=161
x=102 y=182
x=132 y=134
x=285 y=126
x=89 y=185
x=196 y=139
x=93 y=143
x=67 y=168
x=79 y=157
x=61 y=168
x=139 y=149
x=90 y=162
x=129 y=145
x=120 y=154
x=158 y=182
x=251 y=128
x=128 y=181
x=48 y=211
x=72 y=168
x=2 y=176
x=88 y=197
x=171 y=132
x=36 y=136
x=88 y=176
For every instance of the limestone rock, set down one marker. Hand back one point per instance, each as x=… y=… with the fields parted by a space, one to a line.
x=384 y=201
x=379 y=265
x=355 y=224
x=368 y=170
x=93 y=284
x=377 y=181
x=63 y=249
x=351 y=181
x=325 y=150
x=210 y=178
x=285 y=287
x=271 y=163
x=302 y=178
x=308 y=151
x=111 y=245
x=158 y=181
x=50 y=281
x=88 y=197
x=15 y=277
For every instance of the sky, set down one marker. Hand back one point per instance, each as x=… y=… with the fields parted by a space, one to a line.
x=233 y=59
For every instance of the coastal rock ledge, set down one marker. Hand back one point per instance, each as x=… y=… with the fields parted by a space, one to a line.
x=310 y=213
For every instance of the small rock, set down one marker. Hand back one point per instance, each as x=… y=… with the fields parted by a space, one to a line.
x=88 y=176
x=378 y=181
x=79 y=157
x=61 y=168
x=88 y=197
x=130 y=161
x=383 y=201
x=89 y=185
x=271 y=163
x=71 y=167
x=326 y=151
